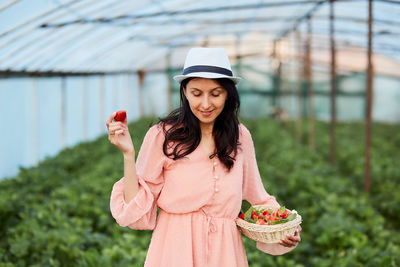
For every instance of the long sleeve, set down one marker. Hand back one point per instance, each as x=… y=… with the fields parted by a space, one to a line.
x=140 y=213
x=253 y=189
x=254 y=192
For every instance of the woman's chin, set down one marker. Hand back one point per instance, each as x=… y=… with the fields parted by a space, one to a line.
x=207 y=120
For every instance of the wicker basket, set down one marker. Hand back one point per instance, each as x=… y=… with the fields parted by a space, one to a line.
x=268 y=233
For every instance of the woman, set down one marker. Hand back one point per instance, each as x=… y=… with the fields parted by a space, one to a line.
x=196 y=165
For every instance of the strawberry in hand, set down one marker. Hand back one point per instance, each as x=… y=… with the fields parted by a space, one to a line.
x=120 y=116
x=118 y=132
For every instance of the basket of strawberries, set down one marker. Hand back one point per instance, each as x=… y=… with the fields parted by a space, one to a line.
x=268 y=224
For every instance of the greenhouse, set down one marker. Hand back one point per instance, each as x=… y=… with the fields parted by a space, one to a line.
x=320 y=95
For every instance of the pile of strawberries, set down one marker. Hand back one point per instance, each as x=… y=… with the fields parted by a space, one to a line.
x=267 y=216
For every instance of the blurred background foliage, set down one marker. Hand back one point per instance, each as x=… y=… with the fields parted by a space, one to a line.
x=66 y=65
x=57 y=214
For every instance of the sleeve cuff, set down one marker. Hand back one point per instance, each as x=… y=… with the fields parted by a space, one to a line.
x=128 y=213
x=274 y=248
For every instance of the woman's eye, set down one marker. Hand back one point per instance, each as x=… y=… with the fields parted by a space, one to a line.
x=196 y=94
x=216 y=95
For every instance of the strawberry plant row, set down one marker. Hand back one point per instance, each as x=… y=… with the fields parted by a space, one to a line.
x=350 y=161
x=57 y=214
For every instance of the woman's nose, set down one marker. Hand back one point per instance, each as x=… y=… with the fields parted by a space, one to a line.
x=205 y=103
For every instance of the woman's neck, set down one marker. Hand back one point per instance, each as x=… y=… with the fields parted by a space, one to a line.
x=206 y=130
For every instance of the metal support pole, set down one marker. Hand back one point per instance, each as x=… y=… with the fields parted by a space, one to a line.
x=333 y=83
x=35 y=121
x=237 y=55
x=85 y=108
x=278 y=74
x=370 y=75
x=240 y=54
x=115 y=90
x=169 y=82
x=310 y=89
x=102 y=106
x=206 y=40
x=141 y=75
x=128 y=95
x=63 y=111
x=275 y=65
x=299 y=88
x=289 y=79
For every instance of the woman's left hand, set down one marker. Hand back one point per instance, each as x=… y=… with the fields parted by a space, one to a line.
x=291 y=240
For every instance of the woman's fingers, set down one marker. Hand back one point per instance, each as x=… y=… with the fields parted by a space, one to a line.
x=118 y=123
x=288 y=242
x=113 y=127
x=291 y=240
x=117 y=132
x=295 y=238
x=110 y=119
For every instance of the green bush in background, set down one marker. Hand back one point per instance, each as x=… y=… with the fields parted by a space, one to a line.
x=385 y=162
x=57 y=214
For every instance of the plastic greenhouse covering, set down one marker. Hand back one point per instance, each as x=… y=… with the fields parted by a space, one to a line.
x=114 y=36
x=60 y=59
x=319 y=95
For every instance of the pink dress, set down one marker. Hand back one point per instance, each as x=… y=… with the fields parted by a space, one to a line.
x=199 y=202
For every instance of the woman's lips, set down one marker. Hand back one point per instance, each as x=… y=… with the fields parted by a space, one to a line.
x=206 y=114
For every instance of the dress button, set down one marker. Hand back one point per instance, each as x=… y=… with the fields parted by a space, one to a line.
x=216 y=189
x=216 y=176
x=215 y=163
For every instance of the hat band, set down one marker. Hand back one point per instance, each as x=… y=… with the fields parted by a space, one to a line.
x=205 y=68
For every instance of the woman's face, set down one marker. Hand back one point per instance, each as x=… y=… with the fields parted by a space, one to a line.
x=206 y=99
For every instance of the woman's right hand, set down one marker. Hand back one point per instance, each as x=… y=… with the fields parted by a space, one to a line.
x=118 y=134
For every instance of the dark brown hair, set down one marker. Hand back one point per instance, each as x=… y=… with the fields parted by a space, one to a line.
x=184 y=135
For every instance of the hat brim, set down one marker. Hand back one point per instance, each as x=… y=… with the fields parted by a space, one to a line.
x=207 y=75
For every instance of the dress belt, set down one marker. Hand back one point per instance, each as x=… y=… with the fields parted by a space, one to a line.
x=211 y=228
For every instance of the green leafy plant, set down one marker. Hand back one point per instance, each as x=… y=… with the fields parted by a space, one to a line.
x=57 y=214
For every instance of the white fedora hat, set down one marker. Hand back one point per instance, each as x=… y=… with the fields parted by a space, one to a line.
x=204 y=62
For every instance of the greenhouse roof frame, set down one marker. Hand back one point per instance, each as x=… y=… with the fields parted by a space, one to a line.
x=84 y=37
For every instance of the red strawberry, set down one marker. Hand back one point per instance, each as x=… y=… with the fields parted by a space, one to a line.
x=261 y=222
x=241 y=216
x=265 y=212
x=284 y=214
x=120 y=116
x=253 y=214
